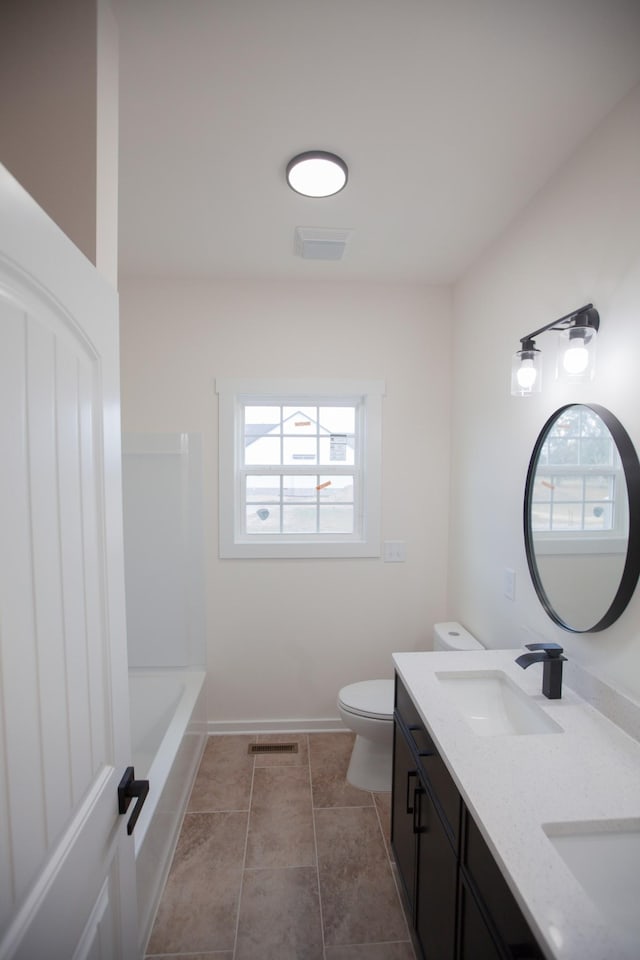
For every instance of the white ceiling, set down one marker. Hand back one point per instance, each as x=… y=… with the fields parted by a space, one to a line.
x=451 y=115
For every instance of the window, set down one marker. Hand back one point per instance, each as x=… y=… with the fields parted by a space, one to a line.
x=300 y=468
x=578 y=483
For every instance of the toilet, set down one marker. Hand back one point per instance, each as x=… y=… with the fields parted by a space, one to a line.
x=367 y=709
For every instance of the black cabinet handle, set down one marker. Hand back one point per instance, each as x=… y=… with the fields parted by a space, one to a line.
x=410 y=774
x=418 y=826
x=129 y=788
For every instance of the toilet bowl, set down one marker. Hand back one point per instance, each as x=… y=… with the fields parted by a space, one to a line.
x=366 y=708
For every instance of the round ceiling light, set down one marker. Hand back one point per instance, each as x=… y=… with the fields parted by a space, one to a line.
x=317 y=174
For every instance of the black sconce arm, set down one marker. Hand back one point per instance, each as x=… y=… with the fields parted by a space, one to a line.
x=592 y=319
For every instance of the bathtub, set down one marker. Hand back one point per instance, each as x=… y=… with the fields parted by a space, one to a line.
x=168 y=736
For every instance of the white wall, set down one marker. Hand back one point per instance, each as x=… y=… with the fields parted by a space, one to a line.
x=164 y=549
x=284 y=636
x=579 y=241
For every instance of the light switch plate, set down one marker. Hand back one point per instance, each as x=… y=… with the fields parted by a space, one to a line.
x=394 y=551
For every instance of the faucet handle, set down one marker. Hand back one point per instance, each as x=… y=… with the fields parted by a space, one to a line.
x=553 y=649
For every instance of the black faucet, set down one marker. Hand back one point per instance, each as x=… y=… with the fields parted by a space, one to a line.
x=551 y=655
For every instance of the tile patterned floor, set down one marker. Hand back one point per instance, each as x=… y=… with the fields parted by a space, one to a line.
x=279 y=858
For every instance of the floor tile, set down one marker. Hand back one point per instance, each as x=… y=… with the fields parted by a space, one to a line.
x=281 y=820
x=359 y=897
x=216 y=955
x=371 y=951
x=329 y=755
x=280 y=915
x=223 y=781
x=382 y=803
x=199 y=905
x=299 y=759
x=298 y=802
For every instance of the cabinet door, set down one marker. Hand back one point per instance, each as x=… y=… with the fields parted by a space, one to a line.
x=436 y=882
x=510 y=926
x=475 y=941
x=403 y=838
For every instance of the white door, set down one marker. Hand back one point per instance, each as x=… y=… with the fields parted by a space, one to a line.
x=67 y=870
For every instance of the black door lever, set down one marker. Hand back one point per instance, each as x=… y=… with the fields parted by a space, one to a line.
x=129 y=788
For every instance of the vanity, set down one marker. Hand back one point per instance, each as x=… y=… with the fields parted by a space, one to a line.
x=515 y=819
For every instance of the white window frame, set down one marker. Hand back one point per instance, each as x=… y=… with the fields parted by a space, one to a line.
x=233 y=394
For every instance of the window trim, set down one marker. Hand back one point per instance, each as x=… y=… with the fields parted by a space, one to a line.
x=232 y=393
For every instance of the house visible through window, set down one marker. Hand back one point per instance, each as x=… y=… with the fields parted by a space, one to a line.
x=299 y=468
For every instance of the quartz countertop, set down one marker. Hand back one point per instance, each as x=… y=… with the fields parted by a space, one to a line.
x=514 y=784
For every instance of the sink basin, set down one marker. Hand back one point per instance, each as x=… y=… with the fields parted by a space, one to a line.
x=493 y=705
x=603 y=856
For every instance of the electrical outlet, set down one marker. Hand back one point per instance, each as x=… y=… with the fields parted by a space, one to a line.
x=509 y=584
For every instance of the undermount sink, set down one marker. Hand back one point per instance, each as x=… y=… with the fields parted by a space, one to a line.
x=603 y=856
x=493 y=705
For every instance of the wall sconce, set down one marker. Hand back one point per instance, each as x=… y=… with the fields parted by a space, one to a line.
x=575 y=361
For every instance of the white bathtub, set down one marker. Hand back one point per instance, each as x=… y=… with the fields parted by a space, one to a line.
x=168 y=736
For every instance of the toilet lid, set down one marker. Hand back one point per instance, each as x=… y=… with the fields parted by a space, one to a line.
x=369 y=698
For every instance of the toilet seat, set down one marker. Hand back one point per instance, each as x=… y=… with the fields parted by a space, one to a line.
x=369 y=698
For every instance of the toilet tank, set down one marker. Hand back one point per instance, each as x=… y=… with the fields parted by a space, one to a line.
x=453 y=636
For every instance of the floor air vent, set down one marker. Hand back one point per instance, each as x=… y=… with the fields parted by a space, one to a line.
x=273 y=748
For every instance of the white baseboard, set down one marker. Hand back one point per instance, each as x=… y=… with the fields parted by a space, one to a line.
x=328 y=725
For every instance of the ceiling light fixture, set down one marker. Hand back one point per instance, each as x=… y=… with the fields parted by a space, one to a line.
x=317 y=173
x=576 y=355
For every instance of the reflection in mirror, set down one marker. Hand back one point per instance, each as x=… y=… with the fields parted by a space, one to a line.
x=581 y=522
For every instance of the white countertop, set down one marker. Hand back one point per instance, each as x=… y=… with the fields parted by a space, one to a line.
x=514 y=784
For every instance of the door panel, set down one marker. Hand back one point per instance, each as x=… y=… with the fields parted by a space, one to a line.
x=67 y=874
x=437 y=879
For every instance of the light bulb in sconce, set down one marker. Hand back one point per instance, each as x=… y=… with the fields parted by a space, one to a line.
x=526 y=370
x=576 y=357
x=527 y=374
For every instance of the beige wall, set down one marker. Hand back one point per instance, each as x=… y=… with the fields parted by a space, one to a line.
x=577 y=242
x=58 y=76
x=284 y=636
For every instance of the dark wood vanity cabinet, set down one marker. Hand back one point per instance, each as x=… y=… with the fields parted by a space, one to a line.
x=424 y=855
x=459 y=904
x=425 y=823
x=484 y=890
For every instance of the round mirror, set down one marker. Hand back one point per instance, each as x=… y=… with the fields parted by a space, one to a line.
x=582 y=518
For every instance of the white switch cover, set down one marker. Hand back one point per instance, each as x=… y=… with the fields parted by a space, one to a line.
x=394 y=551
x=509 y=584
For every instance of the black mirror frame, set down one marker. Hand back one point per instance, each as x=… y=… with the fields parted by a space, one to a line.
x=631 y=467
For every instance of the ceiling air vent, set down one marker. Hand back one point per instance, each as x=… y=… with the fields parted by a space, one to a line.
x=319 y=243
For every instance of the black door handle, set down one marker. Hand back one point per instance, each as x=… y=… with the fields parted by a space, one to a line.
x=129 y=788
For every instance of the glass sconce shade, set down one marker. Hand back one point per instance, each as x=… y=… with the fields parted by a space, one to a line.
x=526 y=371
x=576 y=354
